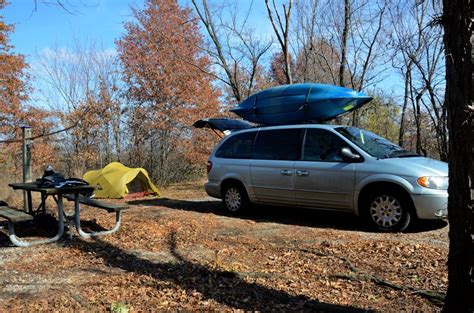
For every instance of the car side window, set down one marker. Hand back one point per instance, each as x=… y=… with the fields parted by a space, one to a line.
x=278 y=144
x=237 y=147
x=322 y=145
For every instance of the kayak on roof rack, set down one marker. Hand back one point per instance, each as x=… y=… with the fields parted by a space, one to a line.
x=289 y=104
x=299 y=104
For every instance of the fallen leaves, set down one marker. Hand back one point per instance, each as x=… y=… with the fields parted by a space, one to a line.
x=166 y=258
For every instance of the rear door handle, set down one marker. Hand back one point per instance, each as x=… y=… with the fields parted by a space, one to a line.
x=302 y=173
x=286 y=172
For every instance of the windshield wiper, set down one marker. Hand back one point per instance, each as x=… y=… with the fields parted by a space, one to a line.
x=402 y=154
x=409 y=155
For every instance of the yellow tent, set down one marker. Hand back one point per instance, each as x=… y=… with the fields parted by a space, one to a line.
x=118 y=181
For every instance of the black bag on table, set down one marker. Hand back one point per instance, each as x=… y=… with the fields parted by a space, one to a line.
x=54 y=180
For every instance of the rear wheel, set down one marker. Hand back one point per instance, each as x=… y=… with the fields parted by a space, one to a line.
x=388 y=211
x=235 y=198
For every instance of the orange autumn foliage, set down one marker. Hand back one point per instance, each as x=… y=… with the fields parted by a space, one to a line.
x=13 y=113
x=13 y=90
x=167 y=86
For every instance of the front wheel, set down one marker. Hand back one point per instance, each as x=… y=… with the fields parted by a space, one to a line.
x=388 y=211
x=235 y=199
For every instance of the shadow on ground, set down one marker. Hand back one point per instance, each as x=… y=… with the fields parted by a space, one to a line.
x=221 y=286
x=282 y=215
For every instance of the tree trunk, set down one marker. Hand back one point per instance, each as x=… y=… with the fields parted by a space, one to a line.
x=459 y=98
x=444 y=118
x=345 y=37
x=282 y=32
x=116 y=116
x=289 y=78
x=401 y=134
x=419 y=143
x=355 y=119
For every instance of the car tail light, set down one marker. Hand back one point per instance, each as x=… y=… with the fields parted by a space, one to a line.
x=209 y=166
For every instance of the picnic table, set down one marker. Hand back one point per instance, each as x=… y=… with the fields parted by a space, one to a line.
x=73 y=193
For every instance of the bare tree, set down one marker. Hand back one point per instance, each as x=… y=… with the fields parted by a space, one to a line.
x=233 y=47
x=350 y=50
x=68 y=6
x=418 y=56
x=317 y=58
x=430 y=73
x=281 y=26
x=367 y=54
x=81 y=85
x=367 y=47
x=342 y=43
x=317 y=55
x=407 y=44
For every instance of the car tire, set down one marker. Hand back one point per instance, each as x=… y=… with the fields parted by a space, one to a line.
x=235 y=199
x=388 y=211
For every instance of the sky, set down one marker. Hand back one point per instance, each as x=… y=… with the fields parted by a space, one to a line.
x=49 y=25
x=40 y=25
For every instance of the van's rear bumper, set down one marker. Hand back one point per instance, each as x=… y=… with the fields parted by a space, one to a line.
x=431 y=206
x=213 y=189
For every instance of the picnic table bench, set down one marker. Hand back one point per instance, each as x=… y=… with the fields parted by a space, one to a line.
x=13 y=216
x=109 y=207
x=71 y=193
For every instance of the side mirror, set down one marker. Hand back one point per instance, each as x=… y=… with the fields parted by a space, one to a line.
x=347 y=154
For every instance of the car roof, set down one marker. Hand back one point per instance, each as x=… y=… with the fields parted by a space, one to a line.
x=320 y=126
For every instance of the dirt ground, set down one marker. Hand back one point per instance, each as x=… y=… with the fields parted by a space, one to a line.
x=182 y=251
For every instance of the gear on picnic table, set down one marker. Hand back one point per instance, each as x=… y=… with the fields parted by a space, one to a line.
x=51 y=179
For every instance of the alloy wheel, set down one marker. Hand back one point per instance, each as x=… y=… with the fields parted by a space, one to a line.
x=233 y=199
x=386 y=211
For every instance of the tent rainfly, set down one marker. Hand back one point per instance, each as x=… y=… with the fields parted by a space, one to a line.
x=116 y=180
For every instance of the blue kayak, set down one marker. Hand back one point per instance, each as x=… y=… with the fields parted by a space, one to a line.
x=299 y=103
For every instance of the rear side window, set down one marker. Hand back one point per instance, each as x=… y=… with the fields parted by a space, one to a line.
x=279 y=144
x=322 y=145
x=237 y=147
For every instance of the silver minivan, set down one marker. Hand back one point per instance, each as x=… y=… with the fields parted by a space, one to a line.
x=328 y=167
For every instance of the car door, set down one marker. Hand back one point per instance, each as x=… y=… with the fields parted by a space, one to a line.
x=273 y=164
x=322 y=178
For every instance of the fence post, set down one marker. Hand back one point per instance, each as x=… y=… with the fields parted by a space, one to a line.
x=27 y=172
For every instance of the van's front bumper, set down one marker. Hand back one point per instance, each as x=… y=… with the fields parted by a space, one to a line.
x=431 y=207
x=213 y=189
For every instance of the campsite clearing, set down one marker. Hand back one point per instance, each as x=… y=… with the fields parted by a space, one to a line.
x=184 y=252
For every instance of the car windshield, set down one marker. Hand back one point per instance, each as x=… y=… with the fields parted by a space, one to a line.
x=373 y=144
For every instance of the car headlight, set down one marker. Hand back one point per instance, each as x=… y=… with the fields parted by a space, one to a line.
x=434 y=182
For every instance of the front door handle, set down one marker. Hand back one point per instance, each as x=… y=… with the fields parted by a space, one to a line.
x=302 y=173
x=286 y=172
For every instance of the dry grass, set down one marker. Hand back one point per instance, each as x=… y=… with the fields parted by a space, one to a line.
x=187 y=190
